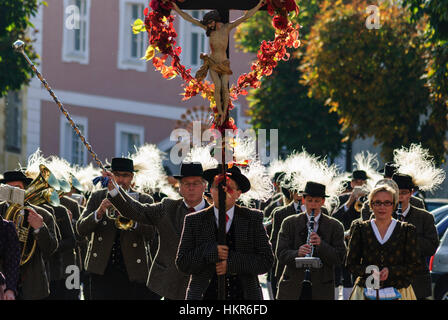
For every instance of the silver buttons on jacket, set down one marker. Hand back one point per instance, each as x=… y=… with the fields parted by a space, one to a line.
x=139 y=260
x=104 y=222
x=100 y=238
x=95 y=255
x=134 y=245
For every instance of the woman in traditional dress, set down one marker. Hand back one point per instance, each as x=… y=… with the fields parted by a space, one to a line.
x=388 y=245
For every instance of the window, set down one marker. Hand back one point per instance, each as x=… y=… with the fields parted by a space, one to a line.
x=127 y=138
x=71 y=147
x=76 y=31
x=132 y=47
x=234 y=113
x=193 y=41
x=13 y=122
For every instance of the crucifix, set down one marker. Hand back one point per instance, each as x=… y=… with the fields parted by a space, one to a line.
x=217 y=26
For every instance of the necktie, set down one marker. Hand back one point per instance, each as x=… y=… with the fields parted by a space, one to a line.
x=401 y=217
x=227 y=218
x=191 y=209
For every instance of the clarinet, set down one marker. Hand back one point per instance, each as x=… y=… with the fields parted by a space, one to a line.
x=310 y=230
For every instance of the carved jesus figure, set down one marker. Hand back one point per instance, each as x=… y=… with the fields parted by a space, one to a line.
x=217 y=63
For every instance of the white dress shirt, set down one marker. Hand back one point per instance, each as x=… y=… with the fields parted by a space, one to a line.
x=199 y=207
x=229 y=213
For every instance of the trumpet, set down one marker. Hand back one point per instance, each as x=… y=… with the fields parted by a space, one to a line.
x=39 y=191
x=121 y=222
x=361 y=194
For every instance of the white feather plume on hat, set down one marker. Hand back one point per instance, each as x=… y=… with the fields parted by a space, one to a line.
x=368 y=162
x=34 y=161
x=276 y=166
x=150 y=176
x=419 y=164
x=203 y=156
x=59 y=167
x=303 y=167
x=261 y=187
x=85 y=175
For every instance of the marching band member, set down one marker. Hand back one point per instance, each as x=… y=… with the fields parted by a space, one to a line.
x=386 y=243
x=247 y=252
x=167 y=217
x=117 y=259
x=328 y=242
x=427 y=237
x=34 y=281
x=9 y=260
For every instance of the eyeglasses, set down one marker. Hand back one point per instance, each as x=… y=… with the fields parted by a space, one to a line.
x=124 y=175
x=191 y=184
x=377 y=204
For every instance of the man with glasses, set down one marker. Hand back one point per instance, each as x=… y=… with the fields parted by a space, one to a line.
x=428 y=239
x=118 y=260
x=246 y=254
x=168 y=218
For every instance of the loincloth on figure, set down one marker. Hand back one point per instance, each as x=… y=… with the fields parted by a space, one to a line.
x=209 y=63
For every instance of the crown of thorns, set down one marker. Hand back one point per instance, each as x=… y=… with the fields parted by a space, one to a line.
x=211 y=16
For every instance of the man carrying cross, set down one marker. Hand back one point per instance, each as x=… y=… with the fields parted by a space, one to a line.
x=217 y=62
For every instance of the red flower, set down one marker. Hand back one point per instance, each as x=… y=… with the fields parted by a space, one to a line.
x=280 y=22
x=290 y=5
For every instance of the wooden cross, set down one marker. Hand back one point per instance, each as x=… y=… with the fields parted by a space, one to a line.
x=223 y=7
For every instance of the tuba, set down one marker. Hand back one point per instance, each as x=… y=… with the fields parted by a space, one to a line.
x=39 y=191
x=121 y=222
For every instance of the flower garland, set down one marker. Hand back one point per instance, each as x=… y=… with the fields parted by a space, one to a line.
x=162 y=37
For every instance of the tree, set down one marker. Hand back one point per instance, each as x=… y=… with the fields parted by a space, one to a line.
x=435 y=14
x=281 y=101
x=372 y=77
x=15 y=19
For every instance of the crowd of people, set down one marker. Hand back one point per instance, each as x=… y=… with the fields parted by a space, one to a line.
x=134 y=239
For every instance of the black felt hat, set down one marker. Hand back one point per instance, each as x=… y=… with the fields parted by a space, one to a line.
x=121 y=164
x=389 y=169
x=314 y=189
x=15 y=175
x=190 y=169
x=359 y=174
x=234 y=174
x=404 y=181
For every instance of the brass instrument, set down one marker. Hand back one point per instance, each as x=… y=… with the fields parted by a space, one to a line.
x=38 y=192
x=65 y=188
x=361 y=194
x=121 y=222
x=359 y=203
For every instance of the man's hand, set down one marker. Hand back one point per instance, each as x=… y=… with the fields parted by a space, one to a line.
x=110 y=175
x=221 y=268
x=34 y=219
x=9 y=295
x=105 y=204
x=304 y=250
x=314 y=239
x=223 y=252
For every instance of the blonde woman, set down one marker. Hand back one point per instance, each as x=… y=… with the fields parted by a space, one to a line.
x=385 y=243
